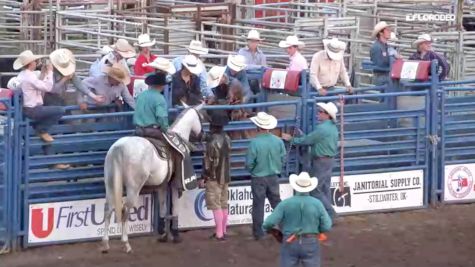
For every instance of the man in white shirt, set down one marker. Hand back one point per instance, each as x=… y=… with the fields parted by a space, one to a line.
x=292 y=44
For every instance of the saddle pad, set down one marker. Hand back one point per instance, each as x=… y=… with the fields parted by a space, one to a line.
x=161 y=148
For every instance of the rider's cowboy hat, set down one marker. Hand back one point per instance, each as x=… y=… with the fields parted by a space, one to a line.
x=64 y=61
x=156 y=79
x=192 y=64
x=236 y=62
x=254 y=35
x=329 y=108
x=378 y=28
x=334 y=48
x=214 y=76
x=421 y=39
x=162 y=64
x=118 y=73
x=144 y=41
x=264 y=121
x=303 y=183
x=218 y=117
x=105 y=50
x=197 y=48
x=291 y=41
x=124 y=49
x=25 y=58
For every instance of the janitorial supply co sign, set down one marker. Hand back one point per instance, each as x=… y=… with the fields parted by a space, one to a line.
x=459 y=183
x=83 y=219
x=193 y=212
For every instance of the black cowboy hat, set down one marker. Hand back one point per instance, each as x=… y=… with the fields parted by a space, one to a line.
x=156 y=79
x=218 y=117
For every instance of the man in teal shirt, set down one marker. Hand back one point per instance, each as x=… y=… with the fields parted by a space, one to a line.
x=301 y=219
x=264 y=160
x=324 y=142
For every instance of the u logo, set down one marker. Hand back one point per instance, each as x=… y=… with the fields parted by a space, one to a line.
x=41 y=223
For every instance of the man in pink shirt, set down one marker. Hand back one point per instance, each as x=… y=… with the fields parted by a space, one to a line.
x=292 y=44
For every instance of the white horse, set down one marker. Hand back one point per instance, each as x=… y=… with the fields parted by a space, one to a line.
x=133 y=162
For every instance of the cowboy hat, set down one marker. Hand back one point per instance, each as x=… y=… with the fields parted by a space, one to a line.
x=254 y=35
x=64 y=61
x=218 y=117
x=156 y=79
x=192 y=64
x=334 y=48
x=214 y=76
x=421 y=39
x=393 y=39
x=105 y=50
x=264 y=121
x=291 y=41
x=378 y=28
x=124 y=49
x=162 y=64
x=197 y=48
x=118 y=73
x=25 y=58
x=303 y=183
x=144 y=41
x=329 y=108
x=236 y=62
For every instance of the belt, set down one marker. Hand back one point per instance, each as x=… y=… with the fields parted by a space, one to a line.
x=323 y=157
x=308 y=235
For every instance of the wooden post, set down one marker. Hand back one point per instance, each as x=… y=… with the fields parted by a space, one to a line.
x=459 y=18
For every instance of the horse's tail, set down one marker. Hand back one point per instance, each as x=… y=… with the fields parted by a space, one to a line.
x=113 y=172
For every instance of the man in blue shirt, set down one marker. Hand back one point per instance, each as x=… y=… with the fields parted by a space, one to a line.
x=379 y=53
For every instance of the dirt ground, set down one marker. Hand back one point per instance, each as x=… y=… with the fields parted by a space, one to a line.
x=442 y=237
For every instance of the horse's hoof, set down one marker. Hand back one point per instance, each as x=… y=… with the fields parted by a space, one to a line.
x=104 y=251
x=128 y=249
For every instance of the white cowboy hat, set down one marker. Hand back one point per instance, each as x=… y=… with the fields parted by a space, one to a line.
x=105 y=50
x=14 y=83
x=236 y=62
x=64 y=61
x=379 y=27
x=334 y=48
x=303 y=183
x=214 y=76
x=192 y=64
x=197 y=48
x=393 y=39
x=264 y=121
x=25 y=58
x=118 y=73
x=144 y=41
x=254 y=35
x=329 y=108
x=291 y=41
x=123 y=47
x=421 y=39
x=162 y=64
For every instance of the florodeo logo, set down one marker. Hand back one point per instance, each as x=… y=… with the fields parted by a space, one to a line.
x=200 y=207
x=460 y=182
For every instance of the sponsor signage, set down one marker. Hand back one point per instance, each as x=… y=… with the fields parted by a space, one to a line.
x=458 y=182
x=193 y=213
x=83 y=219
x=378 y=191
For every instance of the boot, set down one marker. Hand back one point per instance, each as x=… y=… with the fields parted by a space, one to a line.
x=161 y=231
x=174 y=230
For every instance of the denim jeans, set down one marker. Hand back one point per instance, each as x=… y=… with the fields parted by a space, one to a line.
x=44 y=117
x=322 y=169
x=263 y=187
x=304 y=251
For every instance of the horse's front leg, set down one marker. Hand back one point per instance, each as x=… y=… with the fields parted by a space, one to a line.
x=174 y=230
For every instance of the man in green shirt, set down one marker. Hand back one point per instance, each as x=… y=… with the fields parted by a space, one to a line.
x=264 y=160
x=324 y=142
x=301 y=218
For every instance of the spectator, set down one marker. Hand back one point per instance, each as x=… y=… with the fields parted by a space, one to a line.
x=122 y=51
x=186 y=83
x=162 y=65
x=297 y=61
x=425 y=52
x=145 y=57
x=95 y=65
x=255 y=58
x=236 y=70
x=196 y=49
x=218 y=82
x=379 y=53
x=328 y=65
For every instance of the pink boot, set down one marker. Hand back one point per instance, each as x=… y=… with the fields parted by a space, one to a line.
x=218 y=220
x=225 y=221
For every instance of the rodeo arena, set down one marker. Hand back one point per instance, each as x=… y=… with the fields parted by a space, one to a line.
x=335 y=133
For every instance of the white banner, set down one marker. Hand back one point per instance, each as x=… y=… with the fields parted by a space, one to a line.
x=277 y=79
x=458 y=182
x=409 y=70
x=83 y=219
x=379 y=191
x=193 y=212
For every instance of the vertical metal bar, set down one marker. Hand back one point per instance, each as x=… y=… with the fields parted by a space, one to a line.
x=433 y=131
x=441 y=158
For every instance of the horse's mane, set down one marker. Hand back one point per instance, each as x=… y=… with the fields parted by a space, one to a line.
x=180 y=116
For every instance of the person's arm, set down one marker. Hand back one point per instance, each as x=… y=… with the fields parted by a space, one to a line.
x=161 y=115
x=245 y=85
x=251 y=158
x=127 y=97
x=275 y=218
x=80 y=87
x=324 y=219
x=314 y=71
x=43 y=85
x=205 y=90
x=442 y=61
x=308 y=139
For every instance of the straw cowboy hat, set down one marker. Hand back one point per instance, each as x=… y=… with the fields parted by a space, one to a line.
x=334 y=48
x=236 y=62
x=264 y=121
x=214 y=76
x=197 y=48
x=144 y=41
x=291 y=41
x=254 y=35
x=124 y=49
x=105 y=50
x=25 y=58
x=379 y=27
x=192 y=64
x=118 y=73
x=329 y=108
x=303 y=183
x=162 y=64
x=421 y=39
x=64 y=61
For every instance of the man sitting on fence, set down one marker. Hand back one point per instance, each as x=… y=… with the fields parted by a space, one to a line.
x=186 y=83
x=328 y=65
x=292 y=44
x=236 y=70
x=255 y=58
x=425 y=52
x=122 y=51
x=379 y=53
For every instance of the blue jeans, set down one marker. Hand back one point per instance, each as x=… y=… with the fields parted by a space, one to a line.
x=322 y=169
x=263 y=187
x=44 y=117
x=304 y=250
